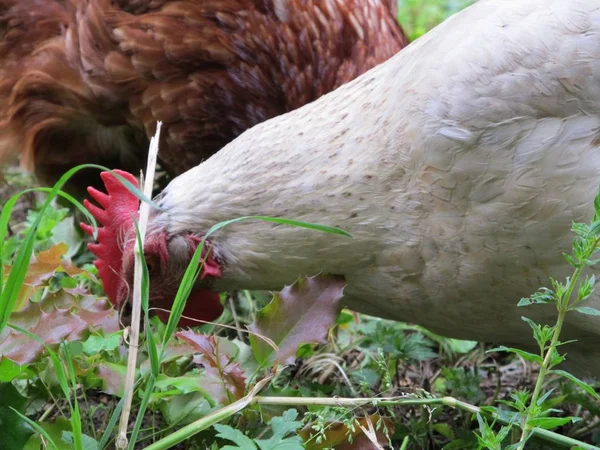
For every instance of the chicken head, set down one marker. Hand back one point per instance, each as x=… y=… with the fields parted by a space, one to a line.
x=167 y=257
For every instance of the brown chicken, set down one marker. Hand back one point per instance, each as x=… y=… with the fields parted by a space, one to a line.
x=85 y=81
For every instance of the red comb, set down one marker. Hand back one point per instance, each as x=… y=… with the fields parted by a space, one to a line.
x=118 y=207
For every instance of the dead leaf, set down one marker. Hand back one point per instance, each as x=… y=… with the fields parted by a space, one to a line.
x=225 y=379
x=362 y=443
x=337 y=435
x=299 y=314
x=57 y=317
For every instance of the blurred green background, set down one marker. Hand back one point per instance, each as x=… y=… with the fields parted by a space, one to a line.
x=419 y=16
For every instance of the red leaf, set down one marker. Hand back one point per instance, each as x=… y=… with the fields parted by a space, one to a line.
x=299 y=314
x=58 y=317
x=225 y=379
x=113 y=378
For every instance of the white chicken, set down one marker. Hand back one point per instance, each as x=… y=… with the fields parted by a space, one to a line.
x=458 y=166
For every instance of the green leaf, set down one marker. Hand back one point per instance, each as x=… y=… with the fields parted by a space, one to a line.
x=597 y=205
x=570 y=260
x=548 y=423
x=580 y=229
x=586 y=288
x=146 y=394
x=445 y=430
x=543 y=296
x=587 y=310
x=67 y=232
x=542 y=334
x=459 y=346
x=345 y=318
x=186 y=408
x=582 y=384
x=35 y=442
x=8 y=370
x=14 y=431
x=282 y=426
x=185 y=385
x=544 y=397
x=300 y=313
x=594 y=229
x=291 y=443
x=525 y=355
x=191 y=274
x=96 y=344
x=87 y=442
x=60 y=434
x=555 y=357
x=242 y=441
x=487 y=437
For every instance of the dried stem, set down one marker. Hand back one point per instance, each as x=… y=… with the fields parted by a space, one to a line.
x=136 y=307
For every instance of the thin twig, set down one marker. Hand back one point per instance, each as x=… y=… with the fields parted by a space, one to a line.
x=47 y=412
x=136 y=307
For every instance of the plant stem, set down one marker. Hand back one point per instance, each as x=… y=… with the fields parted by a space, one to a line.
x=252 y=399
x=395 y=401
x=201 y=424
x=563 y=308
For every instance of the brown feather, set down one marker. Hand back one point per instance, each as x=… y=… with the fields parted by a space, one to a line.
x=90 y=78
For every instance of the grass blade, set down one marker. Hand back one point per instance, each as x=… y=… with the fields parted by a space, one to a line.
x=140 y=416
x=75 y=413
x=111 y=425
x=294 y=223
x=150 y=342
x=37 y=427
x=185 y=287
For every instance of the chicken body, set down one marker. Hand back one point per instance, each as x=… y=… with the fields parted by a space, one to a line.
x=458 y=166
x=85 y=81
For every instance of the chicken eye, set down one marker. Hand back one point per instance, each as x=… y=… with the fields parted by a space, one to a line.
x=152 y=263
